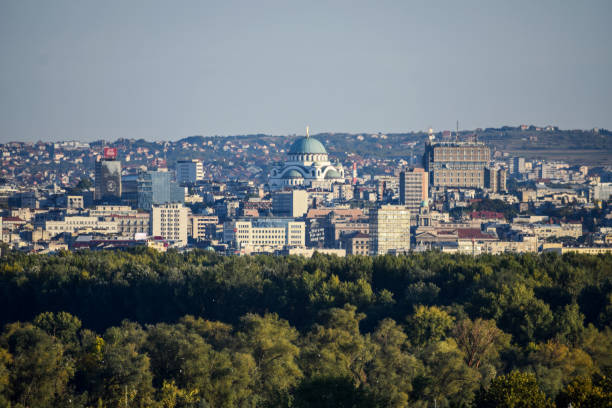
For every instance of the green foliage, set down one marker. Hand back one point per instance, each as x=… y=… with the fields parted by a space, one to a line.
x=515 y=390
x=142 y=328
x=428 y=324
x=583 y=392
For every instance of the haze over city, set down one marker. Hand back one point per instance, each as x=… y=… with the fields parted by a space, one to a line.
x=164 y=70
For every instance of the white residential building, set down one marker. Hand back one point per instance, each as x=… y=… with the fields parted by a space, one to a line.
x=75 y=224
x=170 y=221
x=265 y=234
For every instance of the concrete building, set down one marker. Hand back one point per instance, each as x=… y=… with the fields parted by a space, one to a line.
x=203 y=226
x=81 y=224
x=130 y=225
x=390 y=229
x=413 y=188
x=293 y=203
x=357 y=243
x=189 y=171
x=108 y=181
x=170 y=221
x=495 y=179
x=456 y=164
x=264 y=234
x=600 y=192
x=516 y=166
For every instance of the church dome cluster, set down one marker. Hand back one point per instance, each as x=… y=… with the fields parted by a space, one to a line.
x=307 y=165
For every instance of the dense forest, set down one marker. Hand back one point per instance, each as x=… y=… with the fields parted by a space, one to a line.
x=194 y=329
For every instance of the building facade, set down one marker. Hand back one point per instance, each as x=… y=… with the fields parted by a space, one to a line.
x=390 y=229
x=456 y=164
x=292 y=203
x=108 y=181
x=307 y=165
x=170 y=221
x=264 y=234
x=413 y=188
x=157 y=187
x=189 y=171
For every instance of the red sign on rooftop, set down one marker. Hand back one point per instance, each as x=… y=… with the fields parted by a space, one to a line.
x=110 y=153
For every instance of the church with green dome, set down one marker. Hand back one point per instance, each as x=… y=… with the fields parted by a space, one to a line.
x=307 y=165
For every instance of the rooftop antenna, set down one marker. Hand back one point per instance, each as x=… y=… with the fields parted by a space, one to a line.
x=457 y=132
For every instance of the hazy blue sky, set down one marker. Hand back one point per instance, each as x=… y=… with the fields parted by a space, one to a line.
x=91 y=70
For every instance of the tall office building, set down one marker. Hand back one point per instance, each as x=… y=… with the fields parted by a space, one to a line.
x=170 y=221
x=390 y=229
x=157 y=187
x=189 y=171
x=456 y=164
x=516 y=165
x=495 y=179
x=293 y=203
x=108 y=177
x=413 y=187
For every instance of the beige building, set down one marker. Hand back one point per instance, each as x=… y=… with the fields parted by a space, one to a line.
x=81 y=224
x=456 y=164
x=170 y=221
x=390 y=229
x=356 y=243
x=203 y=226
x=413 y=188
x=293 y=203
x=106 y=210
x=264 y=234
x=129 y=225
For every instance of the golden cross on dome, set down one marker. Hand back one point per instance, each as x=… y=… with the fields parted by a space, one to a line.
x=307 y=133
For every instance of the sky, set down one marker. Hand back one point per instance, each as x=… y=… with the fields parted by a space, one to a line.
x=162 y=70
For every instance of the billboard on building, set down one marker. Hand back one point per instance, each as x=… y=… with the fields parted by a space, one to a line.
x=110 y=153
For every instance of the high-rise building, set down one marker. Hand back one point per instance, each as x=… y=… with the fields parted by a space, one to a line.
x=495 y=179
x=390 y=229
x=189 y=171
x=108 y=178
x=157 y=187
x=456 y=164
x=413 y=188
x=516 y=166
x=292 y=203
x=170 y=221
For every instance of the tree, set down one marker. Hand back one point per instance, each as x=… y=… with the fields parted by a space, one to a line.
x=514 y=390
x=272 y=343
x=5 y=361
x=428 y=324
x=555 y=364
x=393 y=368
x=330 y=392
x=62 y=325
x=39 y=371
x=583 y=392
x=480 y=340
x=445 y=378
x=336 y=348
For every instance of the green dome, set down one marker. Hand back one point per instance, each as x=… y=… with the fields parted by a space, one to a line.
x=293 y=174
x=307 y=145
x=332 y=174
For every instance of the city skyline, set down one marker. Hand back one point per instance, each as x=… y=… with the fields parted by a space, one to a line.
x=154 y=70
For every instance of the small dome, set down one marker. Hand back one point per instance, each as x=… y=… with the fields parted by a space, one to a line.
x=292 y=174
x=307 y=145
x=332 y=174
